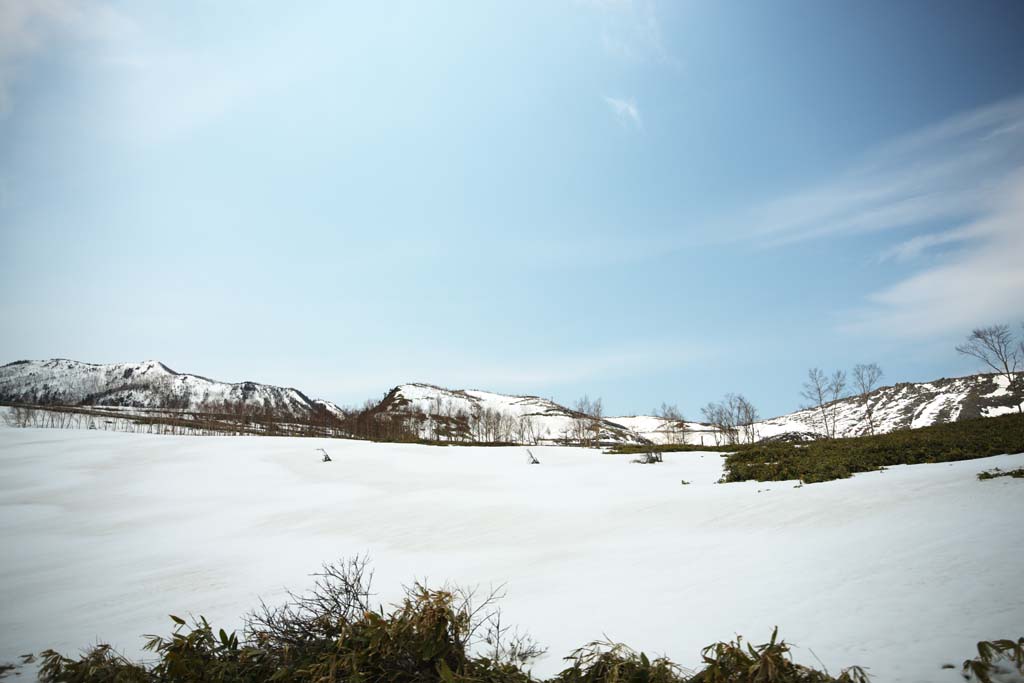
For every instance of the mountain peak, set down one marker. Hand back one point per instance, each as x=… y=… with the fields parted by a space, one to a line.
x=149 y=384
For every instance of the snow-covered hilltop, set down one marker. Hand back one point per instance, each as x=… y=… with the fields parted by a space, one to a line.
x=434 y=413
x=148 y=385
x=901 y=406
x=470 y=415
x=906 y=406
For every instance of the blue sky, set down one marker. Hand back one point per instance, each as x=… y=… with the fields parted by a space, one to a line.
x=641 y=201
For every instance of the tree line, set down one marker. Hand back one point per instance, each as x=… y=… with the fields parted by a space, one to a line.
x=732 y=419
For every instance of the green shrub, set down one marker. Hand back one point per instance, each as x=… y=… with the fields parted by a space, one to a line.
x=996 y=472
x=608 y=662
x=333 y=635
x=997 y=660
x=329 y=634
x=840 y=458
x=733 y=662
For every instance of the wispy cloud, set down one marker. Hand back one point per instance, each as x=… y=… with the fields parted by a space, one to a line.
x=631 y=30
x=952 y=171
x=29 y=27
x=957 y=187
x=916 y=246
x=153 y=88
x=980 y=282
x=625 y=110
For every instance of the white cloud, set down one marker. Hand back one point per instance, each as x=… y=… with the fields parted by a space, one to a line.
x=29 y=27
x=626 y=111
x=981 y=282
x=916 y=246
x=146 y=83
x=959 y=186
x=949 y=172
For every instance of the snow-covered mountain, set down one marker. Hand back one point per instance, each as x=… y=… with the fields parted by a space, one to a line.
x=901 y=406
x=441 y=414
x=457 y=414
x=907 y=406
x=148 y=385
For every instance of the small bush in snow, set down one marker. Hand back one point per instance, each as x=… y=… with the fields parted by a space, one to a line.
x=998 y=661
x=996 y=472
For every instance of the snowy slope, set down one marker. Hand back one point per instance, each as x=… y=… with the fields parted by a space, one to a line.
x=456 y=412
x=900 y=571
x=446 y=414
x=149 y=384
x=902 y=406
x=661 y=431
x=907 y=406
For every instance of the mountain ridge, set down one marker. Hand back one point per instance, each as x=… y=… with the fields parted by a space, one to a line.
x=437 y=413
x=148 y=384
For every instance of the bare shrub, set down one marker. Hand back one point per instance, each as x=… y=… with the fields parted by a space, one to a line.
x=865 y=381
x=995 y=347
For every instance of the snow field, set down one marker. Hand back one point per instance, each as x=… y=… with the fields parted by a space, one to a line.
x=104 y=534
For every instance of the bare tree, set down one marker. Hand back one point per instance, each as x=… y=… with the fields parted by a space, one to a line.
x=716 y=415
x=674 y=426
x=746 y=417
x=995 y=347
x=586 y=425
x=865 y=381
x=816 y=391
x=733 y=418
x=596 y=416
x=529 y=430
x=836 y=390
x=824 y=393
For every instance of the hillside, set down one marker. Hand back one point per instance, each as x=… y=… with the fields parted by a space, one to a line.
x=434 y=413
x=908 y=405
x=470 y=415
x=148 y=385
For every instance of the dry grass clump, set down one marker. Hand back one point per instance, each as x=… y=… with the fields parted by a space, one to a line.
x=334 y=633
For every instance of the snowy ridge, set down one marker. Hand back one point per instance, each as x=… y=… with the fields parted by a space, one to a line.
x=147 y=385
x=901 y=406
x=487 y=416
x=907 y=406
x=471 y=415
